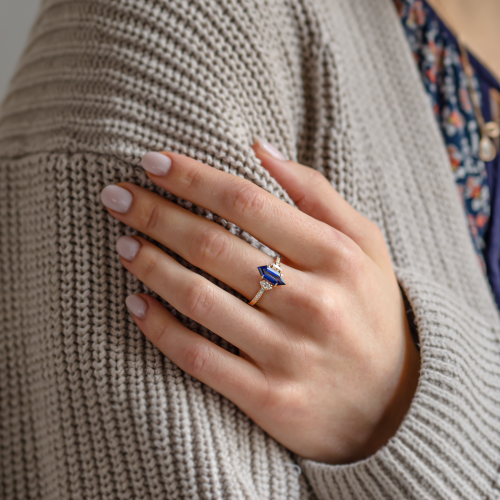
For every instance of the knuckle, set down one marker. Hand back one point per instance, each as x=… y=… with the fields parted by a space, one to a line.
x=320 y=304
x=192 y=175
x=309 y=201
x=376 y=233
x=160 y=334
x=151 y=217
x=316 y=178
x=327 y=312
x=355 y=270
x=197 y=360
x=249 y=199
x=199 y=299
x=209 y=245
x=352 y=260
x=341 y=251
x=150 y=266
x=370 y=235
x=283 y=397
x=330 y=241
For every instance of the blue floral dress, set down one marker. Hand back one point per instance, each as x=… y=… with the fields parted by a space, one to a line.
x=438 y=58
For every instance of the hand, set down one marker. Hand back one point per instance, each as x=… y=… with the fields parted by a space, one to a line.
x=327 y=365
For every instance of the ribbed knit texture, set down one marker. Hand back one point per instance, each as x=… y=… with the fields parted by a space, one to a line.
x=89 y=409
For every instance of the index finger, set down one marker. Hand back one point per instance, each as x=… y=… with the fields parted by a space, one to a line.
x=272 y=221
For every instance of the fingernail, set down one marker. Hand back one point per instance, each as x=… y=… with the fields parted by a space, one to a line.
x=156 y=163
x=269 y=148
x=116 y=198
x=127 y=247
x=136 y=305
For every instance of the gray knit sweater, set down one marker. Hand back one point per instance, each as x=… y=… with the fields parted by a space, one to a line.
x=89 y=409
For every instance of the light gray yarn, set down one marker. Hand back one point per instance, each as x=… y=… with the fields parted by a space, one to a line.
x=88 y=408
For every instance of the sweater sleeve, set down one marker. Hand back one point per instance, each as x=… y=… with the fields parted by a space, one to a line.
x=447 y=447
x=88 y=408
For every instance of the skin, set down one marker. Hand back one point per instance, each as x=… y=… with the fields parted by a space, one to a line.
x=476 y=23
x=327 y=365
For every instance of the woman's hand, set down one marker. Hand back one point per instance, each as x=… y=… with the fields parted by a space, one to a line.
x=327 y=365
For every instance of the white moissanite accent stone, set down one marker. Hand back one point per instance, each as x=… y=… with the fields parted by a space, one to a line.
x=266 y=285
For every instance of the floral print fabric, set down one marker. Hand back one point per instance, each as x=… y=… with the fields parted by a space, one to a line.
x=438 y=57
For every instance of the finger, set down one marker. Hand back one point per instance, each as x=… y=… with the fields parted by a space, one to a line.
x=314 y=195
x=202 y=242
x=196 y=297
x=303 y=240
x=232 y=376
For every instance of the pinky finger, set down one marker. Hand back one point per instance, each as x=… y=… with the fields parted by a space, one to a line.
x=232 y=376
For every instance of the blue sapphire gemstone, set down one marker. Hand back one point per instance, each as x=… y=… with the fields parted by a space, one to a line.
x=269 y=274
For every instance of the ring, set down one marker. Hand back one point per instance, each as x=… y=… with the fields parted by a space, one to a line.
x=272 y=276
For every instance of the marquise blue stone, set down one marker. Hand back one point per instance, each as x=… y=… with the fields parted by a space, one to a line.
x=269 y=274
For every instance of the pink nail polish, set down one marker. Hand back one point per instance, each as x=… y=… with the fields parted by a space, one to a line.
x=127 y=247
x=136 y=305
x=116 y=198
x=156 y=163
x=269 y=148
